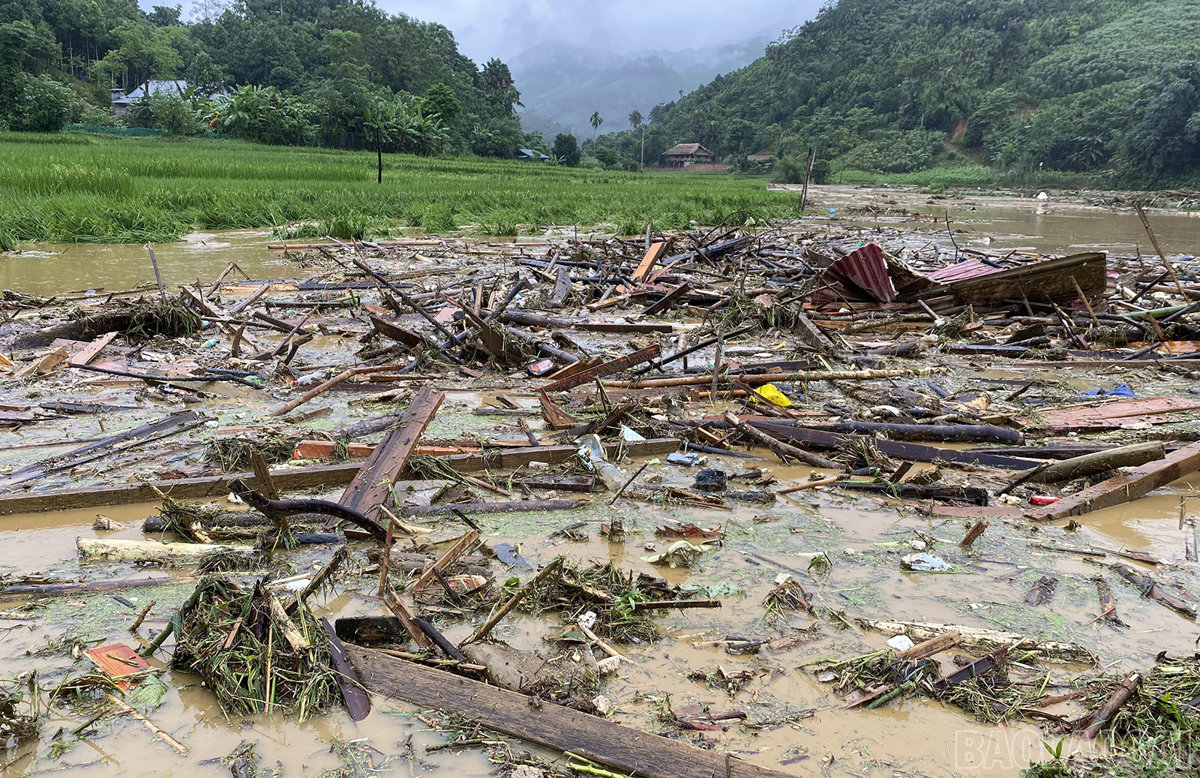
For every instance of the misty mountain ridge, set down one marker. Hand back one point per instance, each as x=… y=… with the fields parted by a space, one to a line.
x=563 y=84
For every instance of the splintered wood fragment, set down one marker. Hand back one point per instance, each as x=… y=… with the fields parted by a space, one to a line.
x=981 y=666
x=316 y=391
x=358 y=702
x=1108 y=603
x=91 y=350
x=396 y=333
x=485 y=628
x=402 y=612
x=605 y=369
x=279 y=615
x=623 y=749
x=812 y=335
x=974 y=638
x=41 y=364
x=555 y=417
x=562 y=287
x=973 y=535
x=928 y=648
x=1124 y=488
x=147 y=723
x=778 y=447
x=262 y=475
x=1114 y=703
x=1151 y=589
x=462 y=546
x=1041 y=592
x=371 y=487
x=665 y=302
x=648 y=261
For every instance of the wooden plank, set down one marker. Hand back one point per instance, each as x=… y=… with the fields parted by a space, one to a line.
x=605 y=369
x=648 y=261
x=292 y=478
x=396 y=333
x=624 y=749
x=1120 y=413
x=92 y=350
x=1129 y=486
x=461 y=546
x=370 y=488
x=668 y=299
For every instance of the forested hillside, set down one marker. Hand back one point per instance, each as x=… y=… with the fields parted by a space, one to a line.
x=1106 y=86
x=302 y=72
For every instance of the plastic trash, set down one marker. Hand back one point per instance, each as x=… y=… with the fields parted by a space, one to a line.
x=592 y=452
x=772 y=394
x=925 y=563
x=711 y=480
x=1120 y=390
x=689 y=459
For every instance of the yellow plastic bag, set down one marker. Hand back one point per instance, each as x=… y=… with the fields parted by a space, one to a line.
x=772 y=393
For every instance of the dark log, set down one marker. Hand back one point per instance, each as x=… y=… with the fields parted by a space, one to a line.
x=913 y=452
x=358 y=703
x=1099 y=462
x=276 y=509
x=1118 y=698
x=512 y=713
x=980 y=433
x=1123 y=488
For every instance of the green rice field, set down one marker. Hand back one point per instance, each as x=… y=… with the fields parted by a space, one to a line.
x=73 y=187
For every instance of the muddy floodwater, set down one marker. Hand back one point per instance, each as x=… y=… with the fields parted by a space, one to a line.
x=984 y=221
x=846 y=547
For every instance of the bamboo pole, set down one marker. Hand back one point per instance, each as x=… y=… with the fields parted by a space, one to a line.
x=767 y=378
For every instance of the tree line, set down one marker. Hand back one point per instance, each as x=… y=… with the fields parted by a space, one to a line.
x=337 y=73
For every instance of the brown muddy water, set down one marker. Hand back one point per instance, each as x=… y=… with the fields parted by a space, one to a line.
x=800 y=724
x=982 y=221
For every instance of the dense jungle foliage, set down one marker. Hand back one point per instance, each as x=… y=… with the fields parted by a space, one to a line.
x=339 y=73
x=1103 y=87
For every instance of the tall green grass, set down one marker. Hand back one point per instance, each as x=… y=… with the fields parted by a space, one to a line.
x=97 y=189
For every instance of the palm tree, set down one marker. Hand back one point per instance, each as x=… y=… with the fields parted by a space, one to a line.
x=635 y=121
x=595 y=121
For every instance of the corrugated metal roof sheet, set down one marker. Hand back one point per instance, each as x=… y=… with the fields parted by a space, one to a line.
x=865 y=270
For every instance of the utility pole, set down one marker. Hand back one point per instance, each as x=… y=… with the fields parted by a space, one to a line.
x=642 y=160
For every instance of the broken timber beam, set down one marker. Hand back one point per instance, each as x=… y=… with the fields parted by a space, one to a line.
x=620 y=748
x=604 y=369
x=371 y=486
x=292 y=478
x=1124 y=488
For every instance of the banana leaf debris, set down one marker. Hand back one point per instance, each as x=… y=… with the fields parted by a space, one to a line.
x=407 y=467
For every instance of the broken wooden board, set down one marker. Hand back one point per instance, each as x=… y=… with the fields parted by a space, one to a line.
x=621 y=748
x=169 y=426
x=1129 y=486
x=973 y=281
x=371 y=487
x=396 y=333
x=117 y=661
x=648 y=261
x=320 y=476
x=1112 y=415
x=605 y=369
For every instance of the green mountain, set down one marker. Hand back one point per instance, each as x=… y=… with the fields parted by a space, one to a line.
x=562 y=84
x=1102 y=86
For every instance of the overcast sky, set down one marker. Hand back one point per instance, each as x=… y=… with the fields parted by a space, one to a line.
x=491 y=28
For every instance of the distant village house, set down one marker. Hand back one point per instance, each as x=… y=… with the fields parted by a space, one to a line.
x=687 y=154
x=529 y=155
x=123 y=101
